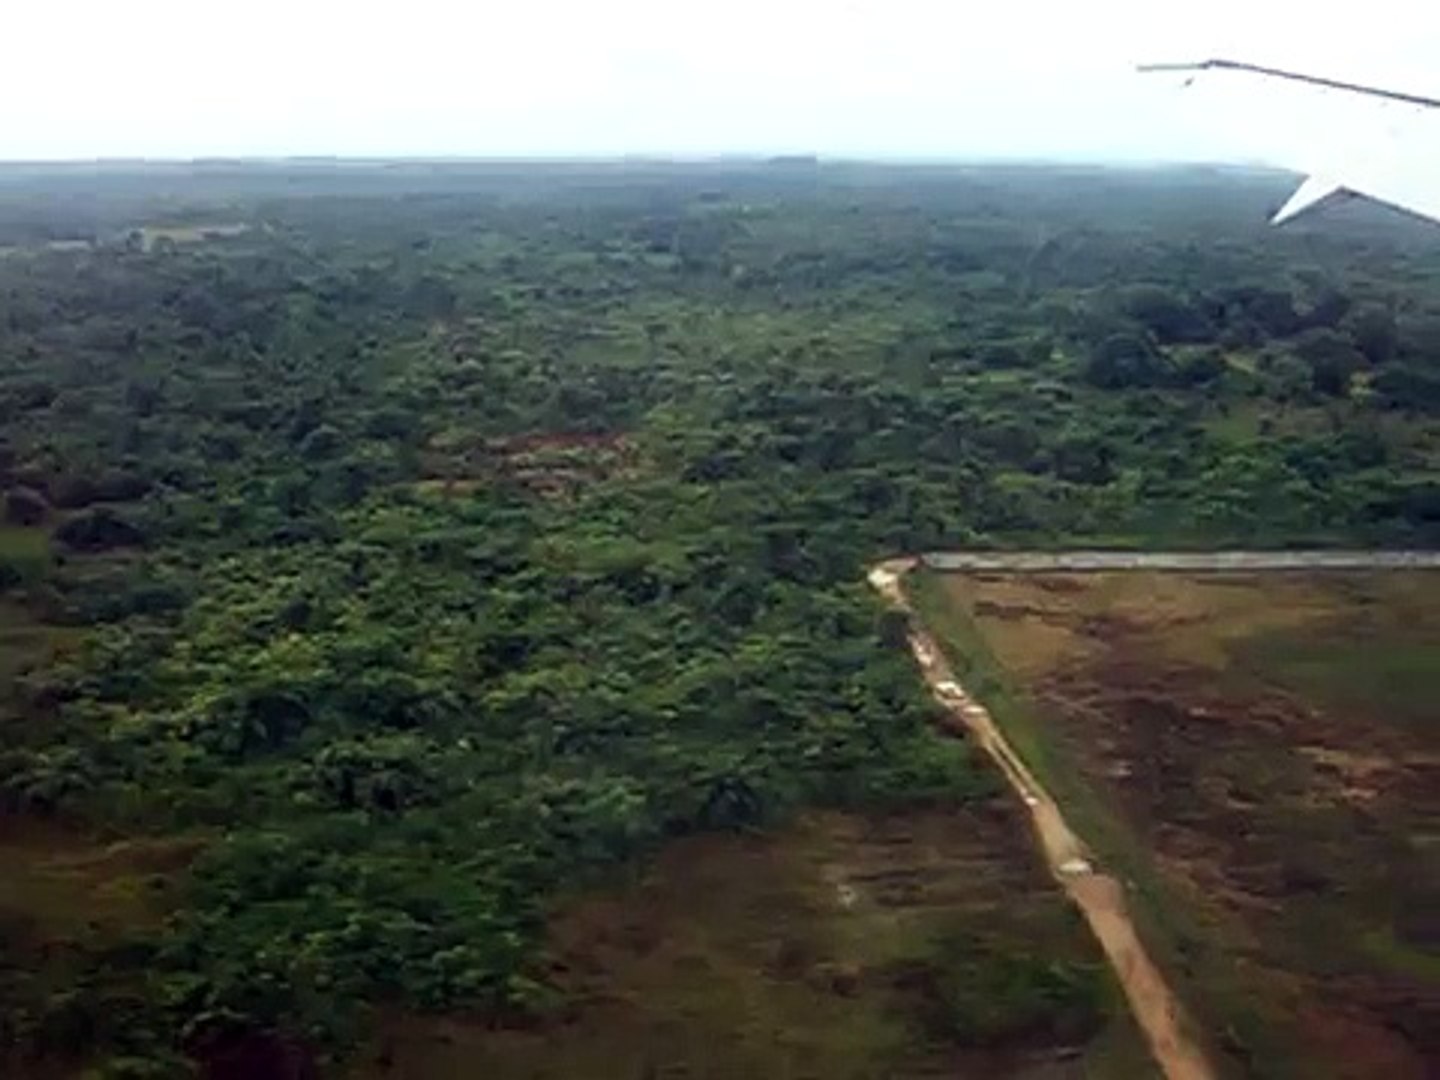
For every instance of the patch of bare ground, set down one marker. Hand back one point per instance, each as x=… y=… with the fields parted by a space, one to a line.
x=158 y=236
x=1241 y=732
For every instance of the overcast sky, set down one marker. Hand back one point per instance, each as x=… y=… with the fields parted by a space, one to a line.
x=882 y=78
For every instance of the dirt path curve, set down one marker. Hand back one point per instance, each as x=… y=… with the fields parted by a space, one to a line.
x=1100 y=897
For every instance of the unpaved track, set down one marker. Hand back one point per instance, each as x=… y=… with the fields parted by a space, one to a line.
x=1099 y=897
x=1060 y=562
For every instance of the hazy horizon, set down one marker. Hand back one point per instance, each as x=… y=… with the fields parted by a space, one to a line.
x=720 y=158
x=903 y=81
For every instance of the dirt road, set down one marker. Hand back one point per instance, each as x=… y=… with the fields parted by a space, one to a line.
x=1019 y=562
x=1100 y=898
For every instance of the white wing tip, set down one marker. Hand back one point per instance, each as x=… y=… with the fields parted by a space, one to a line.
x=1314 y=190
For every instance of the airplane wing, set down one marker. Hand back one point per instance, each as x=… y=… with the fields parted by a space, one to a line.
x=1358 y=140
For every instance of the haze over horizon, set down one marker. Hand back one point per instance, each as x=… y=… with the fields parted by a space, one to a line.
x=904 y=79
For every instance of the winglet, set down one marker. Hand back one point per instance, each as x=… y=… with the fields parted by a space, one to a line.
x=1313 y=190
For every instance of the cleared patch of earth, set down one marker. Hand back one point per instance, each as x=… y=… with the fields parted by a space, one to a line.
x=153 y=235
x=1267 y=748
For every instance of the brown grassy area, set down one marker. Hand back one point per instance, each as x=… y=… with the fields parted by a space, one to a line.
x=59 y=885
x=842 y=947
x=64 y=897
x=1261 y=754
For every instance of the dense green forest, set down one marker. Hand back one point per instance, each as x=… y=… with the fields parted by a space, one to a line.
x=387 y=549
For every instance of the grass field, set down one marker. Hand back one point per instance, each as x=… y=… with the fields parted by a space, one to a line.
x=922 y=944
x=1260 y=758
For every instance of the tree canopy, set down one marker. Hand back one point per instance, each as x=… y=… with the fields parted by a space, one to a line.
x=445 y=535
